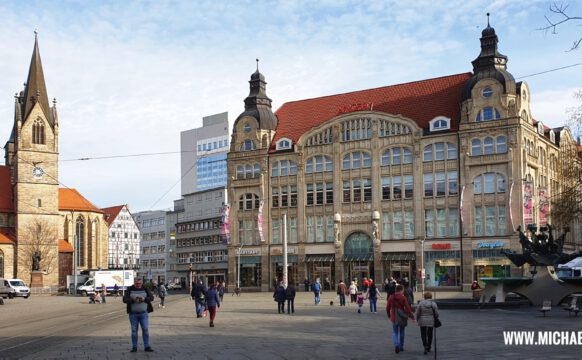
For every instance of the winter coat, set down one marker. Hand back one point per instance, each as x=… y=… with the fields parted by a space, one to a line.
x=290 y=292
x=424 y=313
x=198 y=292
x=148 y=299
x=398 y=301
x=353 y=289
x=372 y=292
x=212 y=298
x=280 y=294
x=341 y=288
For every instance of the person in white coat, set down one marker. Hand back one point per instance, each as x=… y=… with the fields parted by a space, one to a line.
x=353 y=292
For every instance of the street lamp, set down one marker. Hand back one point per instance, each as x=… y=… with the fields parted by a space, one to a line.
x=422 y=269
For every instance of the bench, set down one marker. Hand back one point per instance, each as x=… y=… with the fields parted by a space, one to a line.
x=573 y=307
x=546 y=306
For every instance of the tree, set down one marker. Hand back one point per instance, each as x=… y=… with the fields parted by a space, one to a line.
x=39 y=238
x=561 y=11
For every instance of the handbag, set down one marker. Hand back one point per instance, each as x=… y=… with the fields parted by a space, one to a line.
x=401 y=318
x=437 y=321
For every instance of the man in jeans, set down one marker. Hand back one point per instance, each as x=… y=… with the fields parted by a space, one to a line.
x=198 y=295
x=139 y=303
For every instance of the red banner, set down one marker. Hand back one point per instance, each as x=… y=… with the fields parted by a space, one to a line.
x=528 y=203
x=544 y=206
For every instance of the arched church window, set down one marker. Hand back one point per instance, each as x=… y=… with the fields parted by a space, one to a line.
x=1 y=264
x=81 y=241
x=38 y=132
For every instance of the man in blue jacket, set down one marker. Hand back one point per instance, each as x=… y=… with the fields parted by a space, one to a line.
x=199 y=295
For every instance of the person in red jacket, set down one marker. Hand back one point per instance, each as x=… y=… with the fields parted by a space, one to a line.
x=398 y=303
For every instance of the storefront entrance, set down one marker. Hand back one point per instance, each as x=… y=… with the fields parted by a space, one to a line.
x=358 y=258
x=321 y=267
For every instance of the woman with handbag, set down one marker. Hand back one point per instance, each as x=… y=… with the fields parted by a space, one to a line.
x=398 y=311
x=427 y=314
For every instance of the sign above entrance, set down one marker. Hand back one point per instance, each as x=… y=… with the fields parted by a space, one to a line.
x=248 y=252
x=490 y=245
x=445 y=246
x=279 y=251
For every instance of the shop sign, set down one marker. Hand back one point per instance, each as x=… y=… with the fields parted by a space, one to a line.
x=361 y=268
x=322 y=268
x=490 y=245
x=441 y=246
x=248 y=252
x=278 y=251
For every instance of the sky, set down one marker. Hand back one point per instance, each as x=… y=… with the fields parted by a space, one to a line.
x=130 y=76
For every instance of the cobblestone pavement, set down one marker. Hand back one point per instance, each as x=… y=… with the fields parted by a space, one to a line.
x=249 y=327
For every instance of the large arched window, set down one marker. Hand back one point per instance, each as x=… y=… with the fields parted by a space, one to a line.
x=81 y=241
x=248 y=145
x=397 y=156
x=357 y=160
x=318 y=163
x=359 y=244
x=38 y=132
x=487 y=114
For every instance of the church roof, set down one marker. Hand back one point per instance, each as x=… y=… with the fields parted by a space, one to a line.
x=7 y=236
x=6 y=199
x=65 y=246
x=111 y=213
x=71 y=199
x=420 y=101
x=35 y=90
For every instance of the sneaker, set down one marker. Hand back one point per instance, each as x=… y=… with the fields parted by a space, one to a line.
x=149 y=349
x=159 y=306
x=133 y=350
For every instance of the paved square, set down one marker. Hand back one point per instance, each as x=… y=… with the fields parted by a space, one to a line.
x=249 y=327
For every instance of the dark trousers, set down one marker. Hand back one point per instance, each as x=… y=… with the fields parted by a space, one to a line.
x=290 y=306
x=353 y=297
x=426 y=336
x=281 y=306
x=342 y=299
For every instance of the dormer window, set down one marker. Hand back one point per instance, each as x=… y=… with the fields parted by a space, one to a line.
x=552 y=136
x=540 y=128
x=284 y=144
x=488 y=114
x=440 y=123
x=487 y=92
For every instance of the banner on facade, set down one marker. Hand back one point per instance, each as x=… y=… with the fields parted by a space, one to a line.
x=260 y=221
x=544 y=206
x=528 y=203
x=225 y=232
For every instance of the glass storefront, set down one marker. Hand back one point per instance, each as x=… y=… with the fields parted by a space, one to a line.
x=443 y=268
x=399 y=266
x=358 y=258
x=321 y=267
x=490 y=263
x=250 y=271
x=292 y=270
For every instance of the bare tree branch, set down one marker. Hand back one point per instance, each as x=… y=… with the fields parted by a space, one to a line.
x=40 y=237
x=560 y=10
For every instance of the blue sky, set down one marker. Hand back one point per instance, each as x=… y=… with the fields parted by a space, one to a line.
x=129 y=76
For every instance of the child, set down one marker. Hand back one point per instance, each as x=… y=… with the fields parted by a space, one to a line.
x=360 y=301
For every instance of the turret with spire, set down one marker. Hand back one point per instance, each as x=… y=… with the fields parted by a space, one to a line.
x=35 y=90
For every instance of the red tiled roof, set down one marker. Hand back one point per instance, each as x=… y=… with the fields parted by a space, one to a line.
x=71 y=199
x=6 y=199
x=111 y=213
x=7 y=236
x=65 y=247
x=420 y=101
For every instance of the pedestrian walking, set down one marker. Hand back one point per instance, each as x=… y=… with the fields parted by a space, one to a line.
x=116 y=289
x=139 y=304
x=341 y=292
x=212 y=303
x=306 y=282
x=290 y=294
x=398 y=311
x=317 y=291
x=280 y=296
x=221 y=290
x=409 y=294
x=426 y=311
x=372 y=294
x=360 y=301
x=198 y=295
x=163 y=292
x=353 y=292
x=103 y=293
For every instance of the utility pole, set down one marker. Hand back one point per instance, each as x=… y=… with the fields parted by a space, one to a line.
x=285 y=270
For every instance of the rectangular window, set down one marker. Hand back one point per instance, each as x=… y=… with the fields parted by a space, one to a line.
x=293 y=195
x=274 y=197
x=440 y=184
x=386 y=188
x=397 y=187
x=386 y=226
x=408 y=187
x=284 y=196
x=490 y=221
x=309 y=194
x=318 y=163
x=319 y=193
x=329 y=234
x=489 y=183
x=293 y=230
x=409 y=224
x=319 y=233
x=428 y=185
x=310 y=237
x=453 y=184
x=441 y=222
x=356 y=162
x=501 y=227
x=346 y=192
x=357 y=190
x=367 y=190
x=329 y=193
x=439 y=151
x=276 y=231
x=284 y=168
x=453 y=222
x=241 y=233
x=398 y=226
x=429 y=223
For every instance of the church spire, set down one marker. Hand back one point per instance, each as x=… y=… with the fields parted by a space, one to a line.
x=35 y=90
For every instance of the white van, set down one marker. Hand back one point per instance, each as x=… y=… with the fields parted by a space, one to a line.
x=20 y=288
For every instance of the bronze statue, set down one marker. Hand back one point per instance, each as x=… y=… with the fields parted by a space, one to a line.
x=36 y=261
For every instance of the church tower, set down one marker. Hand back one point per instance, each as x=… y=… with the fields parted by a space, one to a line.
x=32 y=155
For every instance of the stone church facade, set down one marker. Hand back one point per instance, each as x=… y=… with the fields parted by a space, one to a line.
x=36 y=215
x=434 y=174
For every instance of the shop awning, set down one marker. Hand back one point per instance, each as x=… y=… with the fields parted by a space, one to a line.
x=250 y=259
x=409 y=256
x=358 y=257
x=320 y=258
x=279 y=259
x=488 y=253
x=436 y=255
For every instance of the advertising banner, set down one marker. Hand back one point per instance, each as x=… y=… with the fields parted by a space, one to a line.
x=528 y=203
x=225 y=232
x=544 y=206
x=260 y=221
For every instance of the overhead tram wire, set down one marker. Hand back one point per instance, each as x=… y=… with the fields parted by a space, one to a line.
x=548 y=71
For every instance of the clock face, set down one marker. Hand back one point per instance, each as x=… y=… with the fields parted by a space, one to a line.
x=37 y=171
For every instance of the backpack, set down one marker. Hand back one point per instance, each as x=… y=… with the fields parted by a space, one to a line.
x=316 y=287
